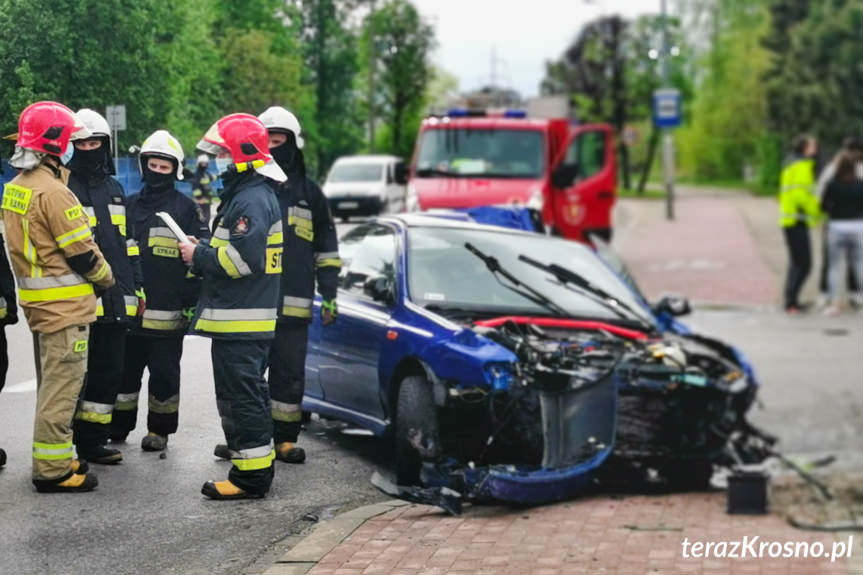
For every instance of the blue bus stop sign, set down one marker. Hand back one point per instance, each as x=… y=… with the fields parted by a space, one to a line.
x=666 y=108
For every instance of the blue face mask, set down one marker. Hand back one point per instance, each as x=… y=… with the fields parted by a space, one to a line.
x=222 y=164
x=67 y=155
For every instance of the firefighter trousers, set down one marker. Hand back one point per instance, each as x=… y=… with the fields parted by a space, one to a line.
x=61 y=364
x=243 y=401
x=103 y=381
x=4 y=357
x=287 y=379
x=161 y=356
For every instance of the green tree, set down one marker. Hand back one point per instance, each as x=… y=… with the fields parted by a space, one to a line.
x=403 y=71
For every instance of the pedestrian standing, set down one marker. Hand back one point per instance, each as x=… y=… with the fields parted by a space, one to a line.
x=855 y=147
x=8 y=316
x=156 y=341
x=798 y=211
x=843 y=204
x=241 y=266
x=104 y=203
x=57 y=263
x=202 y=185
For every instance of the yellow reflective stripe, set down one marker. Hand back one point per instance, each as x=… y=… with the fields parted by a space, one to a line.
x=49 y=294
x=226 y=262
x=255 y=463
x=101 y=273
x=132 y=310
x=162 y=242
x=168 y=406
x=133 y=251
x=76 y=235
x=39 y=445
x=100 y=311
x=218 y=242
x=275 y=238
x=118 y=219
x=52 y=451
x=330 y=262
x=30 y=251
x=92 y=417
x=292 y=311
x=235 y=326
x=3 y=313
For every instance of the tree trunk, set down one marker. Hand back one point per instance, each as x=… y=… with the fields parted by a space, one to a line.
x=648 y=163
x=618 y=94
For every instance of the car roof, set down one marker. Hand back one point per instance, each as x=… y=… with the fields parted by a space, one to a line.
x=421 y=220
x=367 y=159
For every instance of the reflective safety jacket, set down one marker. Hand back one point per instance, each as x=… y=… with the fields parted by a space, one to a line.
x=202 y=182
x=311 y=248
x=242 y=262
x=105 y=205
x=51 y=249
x=797 y=200
x=168 y=285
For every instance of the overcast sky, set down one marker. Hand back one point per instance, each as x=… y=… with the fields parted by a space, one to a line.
x=522 y=33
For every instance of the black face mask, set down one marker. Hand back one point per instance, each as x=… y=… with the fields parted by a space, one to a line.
x=158 y=182
x=88 y=160
x=284 y=155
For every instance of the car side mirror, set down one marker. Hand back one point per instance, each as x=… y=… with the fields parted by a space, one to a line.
x=379 y=289
x=564 y=176
x=401 y=173
x=673 y=305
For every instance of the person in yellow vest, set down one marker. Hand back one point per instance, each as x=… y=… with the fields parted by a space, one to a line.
x=57 y=263
x=798 y=211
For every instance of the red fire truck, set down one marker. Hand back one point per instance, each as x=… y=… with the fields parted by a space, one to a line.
x=467 y=158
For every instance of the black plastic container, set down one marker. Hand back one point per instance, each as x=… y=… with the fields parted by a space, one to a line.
x=747 y=492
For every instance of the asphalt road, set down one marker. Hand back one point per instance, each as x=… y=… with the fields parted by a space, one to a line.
x=148 y=516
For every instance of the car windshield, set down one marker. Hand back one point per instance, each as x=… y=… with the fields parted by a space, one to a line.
x=480 y=153
x=443 y=273
x=345 y=172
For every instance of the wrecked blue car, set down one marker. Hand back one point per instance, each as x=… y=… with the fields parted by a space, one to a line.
x=499 y=362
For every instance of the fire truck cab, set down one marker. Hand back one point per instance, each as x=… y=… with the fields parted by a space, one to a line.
x=468 y=158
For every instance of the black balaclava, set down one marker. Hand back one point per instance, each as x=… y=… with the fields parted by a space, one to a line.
x=158 y=182
x=91 y=162
x=288 y=156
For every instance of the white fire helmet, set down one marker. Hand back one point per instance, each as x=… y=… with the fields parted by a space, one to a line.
x=162 y=144
x=277 y=119
x=96 y=125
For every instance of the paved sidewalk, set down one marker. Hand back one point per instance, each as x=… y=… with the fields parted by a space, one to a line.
x=723 y=247
x=595 y=535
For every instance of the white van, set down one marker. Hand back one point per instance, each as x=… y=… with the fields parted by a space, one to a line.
x=366 y=186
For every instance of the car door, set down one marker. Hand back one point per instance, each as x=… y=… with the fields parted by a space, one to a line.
x=349 y=350
x=583 y=204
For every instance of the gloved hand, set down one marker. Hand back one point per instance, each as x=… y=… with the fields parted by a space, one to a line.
x=329 y=312
x=189 y=313
x=142 y=301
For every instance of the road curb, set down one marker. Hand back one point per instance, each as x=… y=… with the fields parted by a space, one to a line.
x=325 y=536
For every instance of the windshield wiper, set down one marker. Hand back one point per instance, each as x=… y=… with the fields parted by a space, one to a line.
x=427 y=172
x=585 y=286
x=529 y=293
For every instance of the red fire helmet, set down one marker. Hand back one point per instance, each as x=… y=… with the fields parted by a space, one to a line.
x=47 y=127
x=247 y=140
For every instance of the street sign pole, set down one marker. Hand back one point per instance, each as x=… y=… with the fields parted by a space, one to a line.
x=668 y=138
x=116 y=116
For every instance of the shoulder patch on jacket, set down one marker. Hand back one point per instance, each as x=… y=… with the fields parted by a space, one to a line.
x=74 y=213
x=241 y=228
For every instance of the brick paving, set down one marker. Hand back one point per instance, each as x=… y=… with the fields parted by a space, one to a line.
x=710 y=252
x=602 y=535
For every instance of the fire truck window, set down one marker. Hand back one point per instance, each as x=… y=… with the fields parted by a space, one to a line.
x=588 y=152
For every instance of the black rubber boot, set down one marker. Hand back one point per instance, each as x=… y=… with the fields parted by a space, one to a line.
x=222 y=452
x=100 y=454
x=76 y=483
x=154 y=442
x=225 y=491
x=290 y=453
x=2 y=458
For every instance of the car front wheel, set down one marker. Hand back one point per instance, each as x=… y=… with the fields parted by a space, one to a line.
x=417 y=434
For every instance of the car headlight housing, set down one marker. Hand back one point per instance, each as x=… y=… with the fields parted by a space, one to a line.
x=499 y=376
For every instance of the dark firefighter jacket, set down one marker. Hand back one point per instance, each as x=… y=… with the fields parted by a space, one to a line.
x=105 y=204
x=242 y=262
x=311 y=246
x=202 y=182
x=169 y=287
x=8 y=303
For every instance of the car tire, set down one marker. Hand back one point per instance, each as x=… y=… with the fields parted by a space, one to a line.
x=416 y=413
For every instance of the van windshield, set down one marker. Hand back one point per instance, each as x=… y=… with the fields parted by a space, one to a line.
x=355 y=173
x=480 y=153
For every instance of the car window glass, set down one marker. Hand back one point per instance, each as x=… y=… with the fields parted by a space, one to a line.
x=346 y=172
x=367 y=252
x=587 y=151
